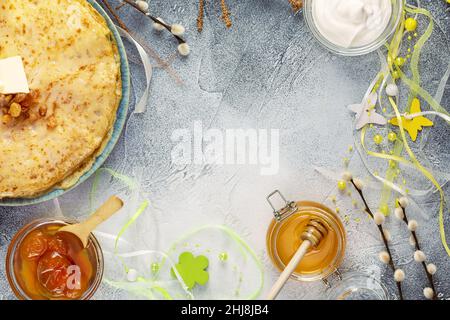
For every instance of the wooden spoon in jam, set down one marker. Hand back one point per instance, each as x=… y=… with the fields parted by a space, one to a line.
x=82 y=230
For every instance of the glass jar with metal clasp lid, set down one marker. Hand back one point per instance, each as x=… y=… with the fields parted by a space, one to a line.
x=321 y=262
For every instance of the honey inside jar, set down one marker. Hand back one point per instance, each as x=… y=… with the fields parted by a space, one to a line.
x=48 y=264
x=289 y=241
x=284 y=238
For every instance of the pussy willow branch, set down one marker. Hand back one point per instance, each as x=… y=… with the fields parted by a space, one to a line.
x=414 y=234
x=386 y=242
x=120 y=6
x=115 y=15
x=149 y=50
x=147 y=14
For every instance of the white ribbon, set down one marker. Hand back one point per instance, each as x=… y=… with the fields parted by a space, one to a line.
x=141 y=106
x=410 y=116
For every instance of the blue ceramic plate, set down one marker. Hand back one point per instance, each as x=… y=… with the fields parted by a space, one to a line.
x=118 y=126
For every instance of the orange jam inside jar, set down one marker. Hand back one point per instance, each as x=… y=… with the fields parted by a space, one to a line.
x=44 y=264
x=284 y=238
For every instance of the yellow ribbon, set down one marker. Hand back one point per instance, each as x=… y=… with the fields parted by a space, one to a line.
x=414 y=83
x=426 y=173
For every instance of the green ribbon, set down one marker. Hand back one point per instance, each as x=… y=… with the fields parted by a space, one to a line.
x=246 y=250
x=147 y=291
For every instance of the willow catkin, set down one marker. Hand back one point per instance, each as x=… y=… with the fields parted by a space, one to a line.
x=201 y=13
x=296 y=4
x=225 y=14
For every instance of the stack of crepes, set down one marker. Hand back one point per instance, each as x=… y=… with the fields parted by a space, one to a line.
x=52 y=135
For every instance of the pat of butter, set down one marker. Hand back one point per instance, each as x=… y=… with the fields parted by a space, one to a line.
x=12 y=76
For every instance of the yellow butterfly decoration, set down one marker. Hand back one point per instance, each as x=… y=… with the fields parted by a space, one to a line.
x=413 y=126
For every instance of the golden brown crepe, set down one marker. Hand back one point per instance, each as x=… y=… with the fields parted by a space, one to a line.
x=73 y=70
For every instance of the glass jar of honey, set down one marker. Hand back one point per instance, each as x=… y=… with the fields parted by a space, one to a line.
x=284 y=237
x=44 y=264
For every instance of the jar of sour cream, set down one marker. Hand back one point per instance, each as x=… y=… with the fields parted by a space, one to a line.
x=353 y=27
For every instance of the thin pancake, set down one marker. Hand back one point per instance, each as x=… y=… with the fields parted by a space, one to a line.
x=72 y=62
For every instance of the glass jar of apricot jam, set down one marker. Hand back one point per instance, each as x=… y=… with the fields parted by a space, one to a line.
x=44 y=264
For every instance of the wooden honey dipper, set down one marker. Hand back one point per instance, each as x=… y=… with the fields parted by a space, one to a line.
x=315 y=231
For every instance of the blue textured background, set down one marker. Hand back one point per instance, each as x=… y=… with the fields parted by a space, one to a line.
x=267 y=71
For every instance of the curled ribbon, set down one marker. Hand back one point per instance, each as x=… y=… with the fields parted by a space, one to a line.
x=150 y=283
x=133 y=185
x=414 y=83
x=141 y=106
x=426 y=173
x=243 y=246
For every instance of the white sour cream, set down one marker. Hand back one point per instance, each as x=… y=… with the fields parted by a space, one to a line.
x=351 y=23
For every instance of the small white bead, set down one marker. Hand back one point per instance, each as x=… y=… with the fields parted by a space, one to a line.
x=384 y=257
x=398 y=212
x=142 y=5
x=358 y=183
x=177 y=29
x=184 y=49
x=158 y=26
x=132 y=275
x=403 y=201
x=412 y=241
x=419 y=256
x=387 y=235
x=392 y=90
x=431 y=268
x=412 y=225
x=347 y=176
x=379 y=218
x=428 y=293
x=399 y=275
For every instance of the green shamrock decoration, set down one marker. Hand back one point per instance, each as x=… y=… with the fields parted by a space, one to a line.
x=192 y=269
